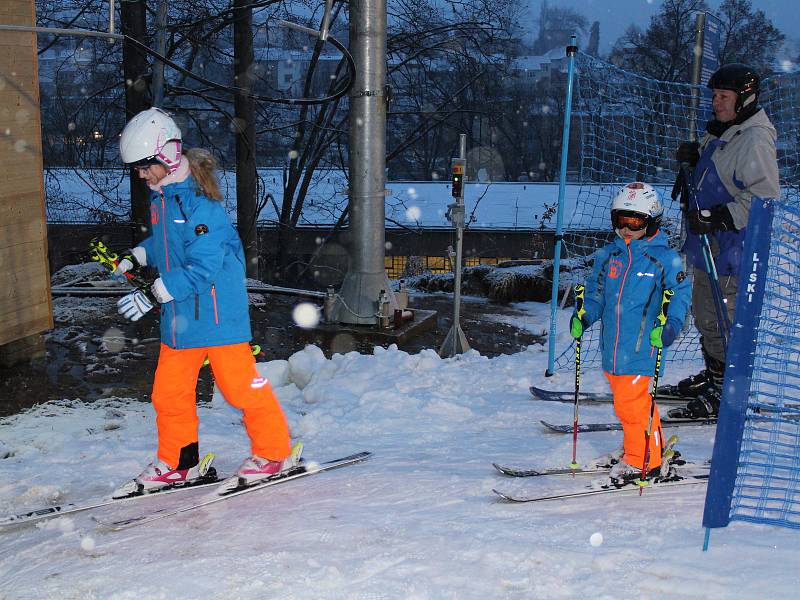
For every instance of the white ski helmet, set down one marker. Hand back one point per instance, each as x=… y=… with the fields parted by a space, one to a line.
x=149 y=137
x=640 y=199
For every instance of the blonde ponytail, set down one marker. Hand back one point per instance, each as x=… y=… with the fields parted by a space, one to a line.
x=204 y=166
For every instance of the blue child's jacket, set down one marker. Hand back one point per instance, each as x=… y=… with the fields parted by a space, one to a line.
x=200 y=258
x=624 y=291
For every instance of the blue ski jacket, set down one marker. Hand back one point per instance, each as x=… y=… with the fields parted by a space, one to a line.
x=200 y=259
x=624 y=292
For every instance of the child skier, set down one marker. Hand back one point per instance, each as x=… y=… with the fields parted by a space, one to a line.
x=624 y=291
x=204 y=309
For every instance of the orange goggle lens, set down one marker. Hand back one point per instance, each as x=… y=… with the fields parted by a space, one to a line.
x=632 y=222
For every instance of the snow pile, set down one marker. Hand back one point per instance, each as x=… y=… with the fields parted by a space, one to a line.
x=507 y=283
x=80 y=273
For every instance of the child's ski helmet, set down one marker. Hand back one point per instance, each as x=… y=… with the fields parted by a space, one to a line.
x=637 y=199
x=151 y=137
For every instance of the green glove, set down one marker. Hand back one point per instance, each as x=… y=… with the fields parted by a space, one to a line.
x=662 y=336
x=655 y=337
x=576 y=326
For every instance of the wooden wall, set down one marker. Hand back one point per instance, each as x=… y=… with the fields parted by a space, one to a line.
x=25 y=303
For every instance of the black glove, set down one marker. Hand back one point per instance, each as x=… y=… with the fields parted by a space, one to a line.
x=706 y=220
x=688 y=152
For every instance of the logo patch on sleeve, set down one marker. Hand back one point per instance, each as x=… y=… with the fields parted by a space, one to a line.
x=680 y=276
x=201 y=229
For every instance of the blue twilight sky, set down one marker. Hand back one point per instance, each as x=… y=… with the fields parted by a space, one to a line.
x=616 y=15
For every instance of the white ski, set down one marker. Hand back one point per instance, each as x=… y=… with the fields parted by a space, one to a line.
x=289 y=475
x=209 y=478
x=697 y=479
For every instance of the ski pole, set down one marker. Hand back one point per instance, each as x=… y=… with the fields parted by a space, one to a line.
x=579 y=311
x=711 y=268
x=661 y=320
x=99 y=252
x=716 y=291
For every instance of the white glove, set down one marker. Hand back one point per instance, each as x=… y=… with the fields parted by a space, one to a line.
x=134 y=306
x=160 y=292
x=126 y=264
x=123 y=267
x=140 y=254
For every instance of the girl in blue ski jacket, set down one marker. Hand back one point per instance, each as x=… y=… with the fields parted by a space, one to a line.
x=204 y=311
x=200 y=261
x=624 y=292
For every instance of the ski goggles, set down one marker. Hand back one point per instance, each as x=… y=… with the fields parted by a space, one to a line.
x=622 y=219
x=145 y=163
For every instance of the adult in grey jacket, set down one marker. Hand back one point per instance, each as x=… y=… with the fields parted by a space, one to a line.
x=733 y=162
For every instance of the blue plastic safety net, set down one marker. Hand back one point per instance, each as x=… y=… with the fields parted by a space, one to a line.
x=767 y=488
x=629 y=128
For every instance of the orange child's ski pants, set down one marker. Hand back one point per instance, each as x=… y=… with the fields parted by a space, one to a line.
x=234 y=370
x=632 y=405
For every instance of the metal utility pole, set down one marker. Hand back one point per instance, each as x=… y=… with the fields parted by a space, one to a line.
x=456 y=341
x=358 y=299
x=697 y=62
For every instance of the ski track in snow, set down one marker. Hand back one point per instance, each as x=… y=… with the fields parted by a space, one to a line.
x=416 y=521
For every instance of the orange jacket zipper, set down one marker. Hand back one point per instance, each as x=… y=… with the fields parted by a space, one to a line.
x=214 y=298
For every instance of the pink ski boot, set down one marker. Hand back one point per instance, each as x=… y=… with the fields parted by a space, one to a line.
x=159 y=476
x=256 y=468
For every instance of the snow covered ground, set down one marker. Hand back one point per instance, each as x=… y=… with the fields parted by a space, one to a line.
x=417 y=521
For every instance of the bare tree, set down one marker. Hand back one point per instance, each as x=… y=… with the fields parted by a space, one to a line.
x=137 y=99
x=437 y=56
x=538 y=140
x=245 y=132
x=448 y=66
x=450 y=78
x=748 y=36
x=665 y=50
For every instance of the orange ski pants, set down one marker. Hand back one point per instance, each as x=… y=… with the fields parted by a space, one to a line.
x=234 y=369
x=632 y=405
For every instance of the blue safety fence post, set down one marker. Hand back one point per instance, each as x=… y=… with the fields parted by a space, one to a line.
x=572 y=50
x=739 y=368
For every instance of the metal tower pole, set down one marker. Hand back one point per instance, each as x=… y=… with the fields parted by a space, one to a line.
x=366 y=276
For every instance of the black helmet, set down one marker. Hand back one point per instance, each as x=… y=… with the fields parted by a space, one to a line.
x=738 y=78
